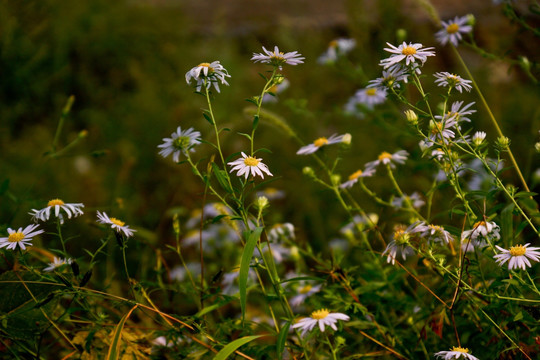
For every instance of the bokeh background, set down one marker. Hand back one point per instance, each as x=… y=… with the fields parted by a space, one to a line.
x=125 y=61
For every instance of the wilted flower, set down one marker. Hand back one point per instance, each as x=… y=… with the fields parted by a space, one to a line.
x=453 y=81
x=441 y=131
x=457 y=112
x=248 y=164
x=434 y=233
x=57 y=204
x=475 y=238
x=57 y=262
x=277 y=58
x=180 y=142
x=391 y=78
x=518 y=256
x=117 y=225
x=336 y=48
x=321 y=317
x=410 y=53
x=386 y=158
x=456 y=353
x=452 y=30
x=353 y=178
x=400 y=244
x=208 y=73
x=320 y=142
x=20 y=237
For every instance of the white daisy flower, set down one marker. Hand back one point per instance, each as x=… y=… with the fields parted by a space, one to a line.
x=390 y=78
x=304 y=290
x=457 y=112
x=320 y=317
x=371 y=96
x=433 y=233
x=275 y=90
x=117 y=225
x=20 y=237
x=518 y=256
x=248 y=164
x=57 y=204
x=386 y=158
x=277 y=58
x=478 y=138
x=400 y=244
x=414 y=199
x=180 y=142
x=208 y=73
x=457 y=353
x=410 y=53
x=353 y=178
x=336 y=48
x=453 y=81
x=320 y=142
x=57 y=262
x=441 y=131
x=452 y=30
x=476 y=238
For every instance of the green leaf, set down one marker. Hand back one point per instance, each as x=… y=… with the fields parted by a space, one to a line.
x=282 y=338
x=221 y=176
x=231 y=347
x=244 y=266
x=525 y=194
x=208 y=118
x=114 y=349
x=246 y=135
x=255 y=122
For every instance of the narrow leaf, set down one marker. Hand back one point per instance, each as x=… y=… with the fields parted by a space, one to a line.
x=114 y=352
x=231 y=347
x=244 y=266
x=282 y=338
x=221 y=176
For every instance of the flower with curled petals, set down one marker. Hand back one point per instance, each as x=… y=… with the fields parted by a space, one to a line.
x=249 y=165
x=277 y=58
x=206 y=74
x=117 y=225
x=57 y=205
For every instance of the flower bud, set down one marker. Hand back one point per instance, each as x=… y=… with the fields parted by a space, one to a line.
x=308 y=171
x=502 y=143
x=412 y=117
x=346 y=139
x=478 y=138
x=471 y=20
x=401 y=35
x=537 y=147
x=261 y=203
x=336 y=179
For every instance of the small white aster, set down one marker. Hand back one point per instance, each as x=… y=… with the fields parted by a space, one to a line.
x=414 y=199
x=117 y=225
x=20 y=237
x=453 y=81
x=518 y=256
x=478 y=138
x=277 y=58
x=57 y=262
x=355 y=176
x=400 y=244
x=321 y=317
x=452 y=30
x=457 y=353
x=475 y=238
x=180 y=142
x=441 y=131
x=320 y=142
x=386 y=158
x=408 y=52
x=370 y=96
x=304 y=290
x=57 y=204
x=248 y=164
x=209 y=73
x=457 y=112
x=433 y=233
x=336 y=48
x=390 y=78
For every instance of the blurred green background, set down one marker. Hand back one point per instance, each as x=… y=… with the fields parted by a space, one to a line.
x=124 y=62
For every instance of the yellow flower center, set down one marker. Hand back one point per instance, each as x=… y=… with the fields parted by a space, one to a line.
x=385 y=155
x=181 y=142
x=16 y=237
x=320 y=142
x=371 y=92
x=518 y=250
x=460 y=349
x=355 y=175
x=115 y=221
x=437 y=128
x=207 y=65
x=320 y=314
x=278 y=57
x=55 y=202
x=452 y=28
x=408 y=50
x=480 y=223
x=251 y=161
x=333 y=44
x=436 y=227
x=273 y=89
x=305 y=289
x=401 y=237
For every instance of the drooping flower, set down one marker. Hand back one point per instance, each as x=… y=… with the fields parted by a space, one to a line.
x=336 y=48
x=249 y=165
x=208 y=74
x=400 y=244
x=457 y=353
x=390 y=78
x=21 y=237
x=180 y=142
x=117 y=225
x=277 y=58
x=452 y=30
x=386 y=158
x=410 y=53
x=457 y=112
x=518 y=256
x=57 y=204
x=441 y=131
x=58 y=262
x=453 y=81
x=321 y=317
x=320 y=142
x=476 y=237
x=355 y=176
x=433 y=233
